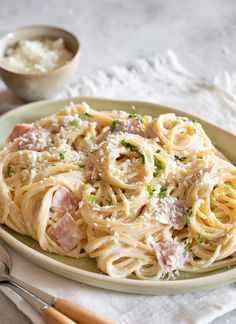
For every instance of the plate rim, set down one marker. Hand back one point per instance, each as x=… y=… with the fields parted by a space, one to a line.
x=101 y=280
x=132 y=102
x=174 y=286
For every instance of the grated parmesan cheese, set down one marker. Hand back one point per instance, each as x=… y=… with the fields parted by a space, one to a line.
x=36 y=56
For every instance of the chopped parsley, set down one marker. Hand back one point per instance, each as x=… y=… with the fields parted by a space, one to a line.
x=158 y=151
x=188 y=213
x=186 y=248
x=133 y=148
x=160 y=165
x=85 y=116
x=128 y=145
x=109 y=201
x=94 y=200
x=75 y=123
x=150 y=191
x=136 y=116
x=193 y=120
x=162 y=193
x=200 y=239
x=9 y=170
x=143 y=158
x=113 y=126
x=155 y=173
x=61 y=156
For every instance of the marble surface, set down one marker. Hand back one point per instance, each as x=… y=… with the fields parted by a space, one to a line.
x=116 y=32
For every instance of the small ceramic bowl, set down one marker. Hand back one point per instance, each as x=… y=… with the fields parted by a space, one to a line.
x=37 y=86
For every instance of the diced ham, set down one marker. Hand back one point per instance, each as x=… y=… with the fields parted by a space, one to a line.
x=170 y=255
x=151 y=129
x=172 y=212
x=64 y=201
x=18 y=131
x=196 y=178
x=131 y=126
x=35 y=139
x=66 y=232
x=37 y=205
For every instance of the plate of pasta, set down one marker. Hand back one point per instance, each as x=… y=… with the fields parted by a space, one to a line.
x=129 y=196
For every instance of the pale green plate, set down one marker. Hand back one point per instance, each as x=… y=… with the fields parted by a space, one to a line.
x=85 y=270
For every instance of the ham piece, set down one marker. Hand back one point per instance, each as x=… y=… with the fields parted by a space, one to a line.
x=18 y=131
x=151 y=129
x=172 y=212
x=64 y=201
x=197 y=177
x=66 y=232
x=131 y=126
x=170 y=255
x=35 y=139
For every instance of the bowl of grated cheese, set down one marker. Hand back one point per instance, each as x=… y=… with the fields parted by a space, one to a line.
x=37 y=62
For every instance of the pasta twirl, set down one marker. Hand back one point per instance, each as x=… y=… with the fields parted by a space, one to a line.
x=143 y=196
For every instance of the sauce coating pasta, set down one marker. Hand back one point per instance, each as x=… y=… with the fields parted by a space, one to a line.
x=143 y=196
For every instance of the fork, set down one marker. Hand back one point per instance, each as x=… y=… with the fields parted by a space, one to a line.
x=52 y=309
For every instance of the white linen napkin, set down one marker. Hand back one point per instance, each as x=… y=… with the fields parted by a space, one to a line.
x=164 y=80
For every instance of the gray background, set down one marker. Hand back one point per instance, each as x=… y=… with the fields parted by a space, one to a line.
x=202 y=33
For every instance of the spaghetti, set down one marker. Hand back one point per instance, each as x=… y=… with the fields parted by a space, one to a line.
x=142 y=195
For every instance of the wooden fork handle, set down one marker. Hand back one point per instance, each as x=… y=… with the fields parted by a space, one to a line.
x=52 y=316
x=79 y=314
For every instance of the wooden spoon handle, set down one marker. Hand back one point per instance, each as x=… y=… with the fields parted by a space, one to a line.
x=52 y=316
x=79 y=313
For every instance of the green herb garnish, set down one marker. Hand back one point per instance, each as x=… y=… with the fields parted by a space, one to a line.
x=158 y=151
x=132 y=148
x=188 y=213
x=136 y=116
x=85 y=116
x=94 y=200
x=150 y=191
x=128 y=145
x=61 y=156
x=155 y=173
x=75 y=123
x=162 y=193
x=113 y=126
x=200 y=239
x=193 y=120
x=9 y=170
x=109 y=201
x=160 y=165
x=186 y=248
x=143 y=158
